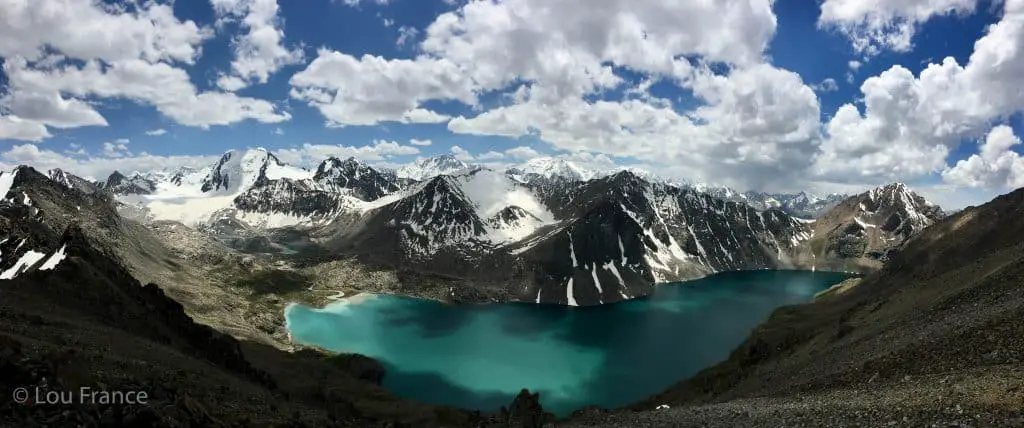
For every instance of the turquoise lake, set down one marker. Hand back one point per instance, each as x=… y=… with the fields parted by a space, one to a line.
x=480 y=356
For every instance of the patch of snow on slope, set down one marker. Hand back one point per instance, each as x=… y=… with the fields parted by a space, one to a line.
x=610 y=266
x=276 y=172
x=572 y=252
x=862 y=223
x=568 y=293
x=54 y=259
x=6 y=181
x=492 y=192
x=26 y=261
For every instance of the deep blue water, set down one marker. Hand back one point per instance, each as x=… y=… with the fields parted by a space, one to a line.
x=479 y=357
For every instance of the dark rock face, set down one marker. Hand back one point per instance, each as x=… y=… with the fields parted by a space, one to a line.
x=119 y=184
x=417 y=226
x=293 y=197
x=526 y=412
x=627 y=234
x=612 y=238
x=73 y=181
x=365 y=182
x=218 y=178
x=865 y=229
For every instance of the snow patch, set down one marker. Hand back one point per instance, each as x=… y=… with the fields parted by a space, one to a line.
x=572 y=251
x=568 y=293
x=6 y=181
x=26 y=261
x=597 y=283
x=54 y=259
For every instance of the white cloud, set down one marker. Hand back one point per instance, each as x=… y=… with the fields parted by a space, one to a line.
x=371 y=89
x=116 y=149
x=278 y=131
x=127 y=52
x=421 y=143
x=563 y=47
x=910 y=124
x=522 y=153
x=854 y=65
x=758 y=125
x=156 y=132
x=231 y=83
x=260 y=51
x=491 y=155
x=86 y=30
x=996 y=166
x=310 y=155
x=94 y=167
x=827 y=85
x=876 y=25
x=388 y=22
x=462 y=154
x=356 y=2
x=15 y=128
x=167 y=88
x=406 y=34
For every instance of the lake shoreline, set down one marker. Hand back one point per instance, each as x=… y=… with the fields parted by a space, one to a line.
x=412 y=336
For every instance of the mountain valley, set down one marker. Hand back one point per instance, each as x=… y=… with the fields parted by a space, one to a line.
x=233 y=244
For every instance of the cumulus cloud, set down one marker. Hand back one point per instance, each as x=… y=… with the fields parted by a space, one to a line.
x=564 y=47
x=421 y=143
x=260 y=51
x=462 y=154
x=15 y=128
x=758 y=123
x=996 y=166
x=60 y=55
x=877 y=25
x=406 y=34
x=370 y=90
x=910 y=124
x=827 y=85
x=156 y=132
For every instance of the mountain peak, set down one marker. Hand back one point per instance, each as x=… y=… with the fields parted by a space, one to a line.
x=426 y=168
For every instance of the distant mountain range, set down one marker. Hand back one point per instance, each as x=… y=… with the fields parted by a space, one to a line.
x=547 y=231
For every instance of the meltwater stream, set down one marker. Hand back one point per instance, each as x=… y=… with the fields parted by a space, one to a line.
x=479 y=357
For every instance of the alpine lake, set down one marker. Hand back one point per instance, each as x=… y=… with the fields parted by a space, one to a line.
x=480 y=356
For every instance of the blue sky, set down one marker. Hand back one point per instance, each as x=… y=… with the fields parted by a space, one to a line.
x=751 y=110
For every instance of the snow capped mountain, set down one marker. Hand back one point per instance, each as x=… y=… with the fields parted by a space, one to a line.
x=72 y=181
x=551 y=239
x=550 y=168
x=237 y=171
x=427 y=168
x=120 y=184
x=802 y=204
x=864 y=228
x=363 y=181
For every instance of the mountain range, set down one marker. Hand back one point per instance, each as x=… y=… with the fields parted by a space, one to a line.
x=937 y=319
x=545 y=232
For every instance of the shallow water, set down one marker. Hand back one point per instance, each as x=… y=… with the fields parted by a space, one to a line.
x=479 y=357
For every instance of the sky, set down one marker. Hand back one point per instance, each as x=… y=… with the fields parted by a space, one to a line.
x=784 y=95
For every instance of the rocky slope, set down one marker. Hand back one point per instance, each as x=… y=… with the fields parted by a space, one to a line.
x=931 y=339
x=88 y=323
x=862 y=231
